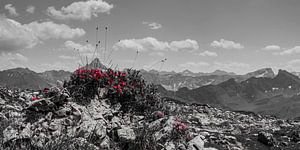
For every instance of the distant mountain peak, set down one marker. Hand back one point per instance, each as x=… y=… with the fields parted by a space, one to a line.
x=153 y=71
x=20 y=70
x=221 y=72
x=96 y=63
x=286 y=74
x=264 y=72
x=267 y=69
x=281 y=71
x=187 y=72
x=218 y=70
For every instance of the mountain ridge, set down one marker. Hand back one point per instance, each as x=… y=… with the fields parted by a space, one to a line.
x=174 y=81
x=258 y=95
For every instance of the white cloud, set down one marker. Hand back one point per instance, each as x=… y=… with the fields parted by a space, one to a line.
x=153 y=25
x=226 y=44
x=12 y=60
x=294 y=50
x=272 y=48
x=11 y=9
x=157 y=54
x=65 y=57
x=188 y=65
x=294 y=65
x=208 y=53
x=145 y=44
x=187 y=44
x=82 y=10
x=82 y=48
x=15 y=57
x=294 y=62
x=47 y=30
x=30 y=9
x=152 y=44
x=15 y=36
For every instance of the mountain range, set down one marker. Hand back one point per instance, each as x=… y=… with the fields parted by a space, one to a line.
x=277 y=96
x=25 y=78
x=173 y=81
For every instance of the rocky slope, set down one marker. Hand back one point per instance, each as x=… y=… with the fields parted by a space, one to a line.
x=59 y=122
x=107 y=109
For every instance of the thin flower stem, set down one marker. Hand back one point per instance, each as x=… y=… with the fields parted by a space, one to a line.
x=79 y=56
x=105 y=42
x=135 y=58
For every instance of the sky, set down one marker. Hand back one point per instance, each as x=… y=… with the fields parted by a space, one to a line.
x=173 y=35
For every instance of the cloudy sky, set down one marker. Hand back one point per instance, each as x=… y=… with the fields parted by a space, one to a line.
x=199 y=35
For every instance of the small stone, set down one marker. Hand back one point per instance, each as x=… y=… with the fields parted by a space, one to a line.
x=105 y=143
x=116 y=122
x=42 y=105
x=9 y=134
x=266 y=138
x=196 y=144
x=284 y=143
x=126 y=134
x=26 y=132
x=45 y=125
x=170 y=146
x=102 y=92
x=49 y=116
x=63 y=112
x=2 y=101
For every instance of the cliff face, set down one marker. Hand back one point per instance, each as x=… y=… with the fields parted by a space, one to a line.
x=60 y=122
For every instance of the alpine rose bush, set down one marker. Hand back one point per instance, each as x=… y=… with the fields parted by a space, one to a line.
x=180 y=126
x=180 y=130
x=159 y=114
x=126 y=87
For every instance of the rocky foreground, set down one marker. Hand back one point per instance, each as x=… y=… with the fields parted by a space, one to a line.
x=112 y=110
x=38 y=124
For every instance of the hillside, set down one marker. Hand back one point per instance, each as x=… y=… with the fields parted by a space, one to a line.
x=22 y=78
x=273 y=96
x=25 y=78
x=53 y=75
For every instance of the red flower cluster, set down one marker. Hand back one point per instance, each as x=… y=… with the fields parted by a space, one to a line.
x=46 y=90
x=115 y=79
x=92 y=73
x=180 y=126
x=159 y=114
x=34 y=98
